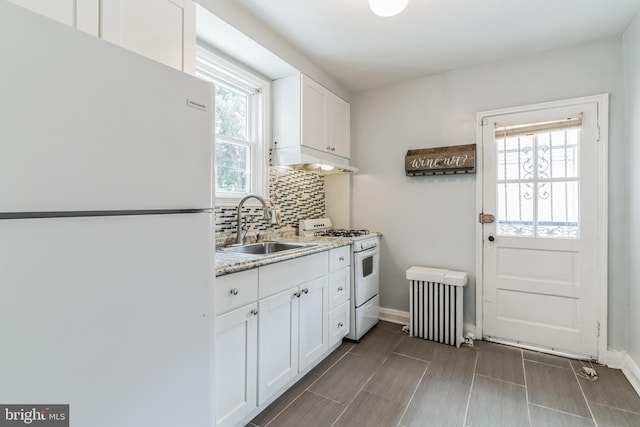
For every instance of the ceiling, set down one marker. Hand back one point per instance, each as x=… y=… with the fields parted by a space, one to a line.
x=362 y=50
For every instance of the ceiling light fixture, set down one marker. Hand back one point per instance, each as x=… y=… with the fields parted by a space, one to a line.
x=386 y=8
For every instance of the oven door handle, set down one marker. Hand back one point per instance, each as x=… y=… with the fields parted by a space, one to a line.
x=367 y=252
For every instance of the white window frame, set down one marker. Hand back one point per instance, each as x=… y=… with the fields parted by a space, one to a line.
x=216 y=69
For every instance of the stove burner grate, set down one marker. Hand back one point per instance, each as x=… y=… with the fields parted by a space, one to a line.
x=341 y=233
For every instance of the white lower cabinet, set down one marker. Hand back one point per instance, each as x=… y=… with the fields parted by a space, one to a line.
x=313 y=333
x=293 y=322
x=339 y=293
x=293 y=334
x=339 y=287
x=236 y=362
x=278 y=342
x=339 y=323
x=272 y=324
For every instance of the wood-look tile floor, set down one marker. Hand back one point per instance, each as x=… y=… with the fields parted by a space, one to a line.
x=392 y=380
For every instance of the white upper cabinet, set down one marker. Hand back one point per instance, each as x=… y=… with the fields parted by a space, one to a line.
x=163 y=30
x=307 y=114
x=314 y=115
x=338 y=125
x=80 y=14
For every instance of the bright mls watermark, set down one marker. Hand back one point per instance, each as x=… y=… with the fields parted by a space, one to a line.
x=34 y=415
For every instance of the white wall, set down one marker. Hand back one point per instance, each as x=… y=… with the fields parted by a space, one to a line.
x=431 y=221
x=632 y=64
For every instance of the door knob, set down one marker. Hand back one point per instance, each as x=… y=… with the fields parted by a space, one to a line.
x=491 y=238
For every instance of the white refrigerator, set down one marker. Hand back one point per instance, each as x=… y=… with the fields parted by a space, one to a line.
x=106 y=238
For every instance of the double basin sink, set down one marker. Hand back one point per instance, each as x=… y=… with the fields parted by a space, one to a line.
x=264 y=248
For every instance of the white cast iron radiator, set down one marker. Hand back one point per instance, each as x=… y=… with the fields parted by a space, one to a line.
x=435 y=304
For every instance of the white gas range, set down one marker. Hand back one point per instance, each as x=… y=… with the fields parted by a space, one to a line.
x=365 y=282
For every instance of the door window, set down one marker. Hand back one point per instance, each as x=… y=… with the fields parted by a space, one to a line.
x=538 y=179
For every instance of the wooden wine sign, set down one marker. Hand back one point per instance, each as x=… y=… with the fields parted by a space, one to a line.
x=441 y=160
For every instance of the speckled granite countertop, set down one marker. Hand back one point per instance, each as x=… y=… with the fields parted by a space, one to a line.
x=227 y=263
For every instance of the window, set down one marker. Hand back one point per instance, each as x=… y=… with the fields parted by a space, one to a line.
x=241 y=124
x=538 y=179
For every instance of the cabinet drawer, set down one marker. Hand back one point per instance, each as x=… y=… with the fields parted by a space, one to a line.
x=338 y=323
x=339 y=258
x=339 y=287
x=277 y=277
x=235 y=290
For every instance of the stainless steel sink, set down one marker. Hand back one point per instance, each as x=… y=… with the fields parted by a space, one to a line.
x=264 y=248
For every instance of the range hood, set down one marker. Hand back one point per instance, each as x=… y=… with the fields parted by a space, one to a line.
x=311 y=160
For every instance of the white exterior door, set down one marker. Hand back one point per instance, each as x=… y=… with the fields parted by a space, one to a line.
x=542 y=278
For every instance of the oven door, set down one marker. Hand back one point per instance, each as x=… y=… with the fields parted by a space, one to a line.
x=365 y=278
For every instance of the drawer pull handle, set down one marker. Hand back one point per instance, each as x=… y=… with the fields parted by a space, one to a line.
x=340 y=325
x=254 y=311
x=341 y=258
x=234 y=291
x=305 y=290
x=297 y=294
x=340 y=289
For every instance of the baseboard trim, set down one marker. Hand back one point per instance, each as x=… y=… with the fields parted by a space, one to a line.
x=632 y=372
x=394 y=316
x=615 y=359
x=621 y=360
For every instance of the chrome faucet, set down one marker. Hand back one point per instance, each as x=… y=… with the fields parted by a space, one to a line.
x=267 y=215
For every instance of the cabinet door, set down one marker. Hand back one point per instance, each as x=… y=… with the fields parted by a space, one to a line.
x=163 y=30
x=314 y=309
x=278 y=342
x=80 y=14
x=313 y=115
x=236 y=363
x=338 y=125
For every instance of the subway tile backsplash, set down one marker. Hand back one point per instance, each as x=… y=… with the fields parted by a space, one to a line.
x=296 y=195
